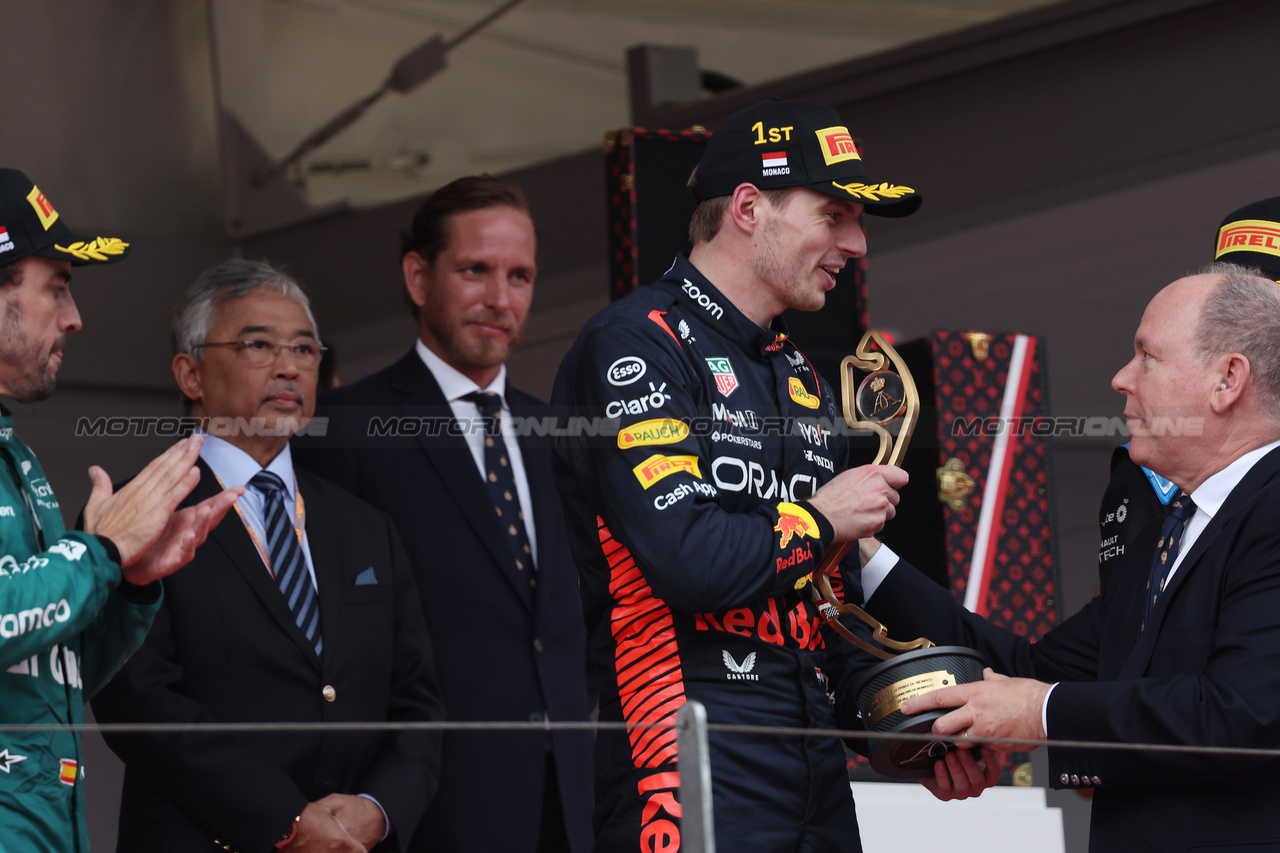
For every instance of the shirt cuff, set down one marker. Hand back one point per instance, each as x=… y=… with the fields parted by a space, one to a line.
x=386 y=821
x=1044 y=710
x=876 y=570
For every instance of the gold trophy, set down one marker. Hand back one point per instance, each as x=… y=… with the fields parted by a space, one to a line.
x=880 y=396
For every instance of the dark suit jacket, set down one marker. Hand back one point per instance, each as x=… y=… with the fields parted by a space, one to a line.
x=1205 y=671
x=509 y=645
x=224 y=648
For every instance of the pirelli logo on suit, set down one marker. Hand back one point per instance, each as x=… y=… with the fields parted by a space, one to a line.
x=657 y=466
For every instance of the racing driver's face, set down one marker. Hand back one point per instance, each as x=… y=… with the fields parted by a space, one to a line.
x=803 y=242
x=36 y=315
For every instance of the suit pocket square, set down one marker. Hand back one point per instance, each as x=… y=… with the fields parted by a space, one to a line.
x=367 y=578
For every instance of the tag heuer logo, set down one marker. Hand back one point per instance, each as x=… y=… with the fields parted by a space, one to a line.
x=722 y=370
x=740 y=671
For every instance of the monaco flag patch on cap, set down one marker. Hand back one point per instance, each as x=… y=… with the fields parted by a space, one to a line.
x=774 y=163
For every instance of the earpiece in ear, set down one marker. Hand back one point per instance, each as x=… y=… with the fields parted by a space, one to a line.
x=1223 y=386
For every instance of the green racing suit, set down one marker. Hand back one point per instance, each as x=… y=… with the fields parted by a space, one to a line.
x=66 y=626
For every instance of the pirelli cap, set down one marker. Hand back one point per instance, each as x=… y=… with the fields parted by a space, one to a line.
x=778 y=143
x=29 y=225
x=1250 y=237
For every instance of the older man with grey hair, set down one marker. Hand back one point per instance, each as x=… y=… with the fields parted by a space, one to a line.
x=302 y=609
x=1183 y=645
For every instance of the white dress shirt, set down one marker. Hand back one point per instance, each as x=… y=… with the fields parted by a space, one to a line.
x=233 y=467
x=454 y=385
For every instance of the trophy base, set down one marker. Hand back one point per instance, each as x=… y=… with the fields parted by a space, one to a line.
x=887 y=685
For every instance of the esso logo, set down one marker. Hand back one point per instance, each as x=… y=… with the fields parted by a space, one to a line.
x=626 y=370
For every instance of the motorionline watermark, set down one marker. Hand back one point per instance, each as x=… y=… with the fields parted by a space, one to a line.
x=136 y=426
x=733 y=426
x=1097 y=426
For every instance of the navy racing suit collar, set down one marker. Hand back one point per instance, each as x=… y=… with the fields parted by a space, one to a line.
x=702 y=298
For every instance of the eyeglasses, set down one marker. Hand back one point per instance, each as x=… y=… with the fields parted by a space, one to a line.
x=263 y=353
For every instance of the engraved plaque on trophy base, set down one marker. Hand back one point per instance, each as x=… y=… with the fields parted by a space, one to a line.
x=888 y=685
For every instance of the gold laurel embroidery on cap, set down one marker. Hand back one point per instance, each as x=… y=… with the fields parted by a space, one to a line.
x=874 y=192
x=96 y=249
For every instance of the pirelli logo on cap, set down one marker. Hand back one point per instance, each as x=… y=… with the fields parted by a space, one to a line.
x=658 y=466
x=1249 y=235
x=837 y=145
x=42 y=207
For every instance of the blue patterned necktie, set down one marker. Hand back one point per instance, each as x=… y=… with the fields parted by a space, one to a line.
x=1166 y=553
x=500 y=479
x=285 y=559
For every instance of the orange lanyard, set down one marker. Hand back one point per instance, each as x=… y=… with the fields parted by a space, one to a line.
x=299 y=515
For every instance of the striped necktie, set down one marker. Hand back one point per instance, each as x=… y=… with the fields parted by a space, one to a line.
x=285 y=559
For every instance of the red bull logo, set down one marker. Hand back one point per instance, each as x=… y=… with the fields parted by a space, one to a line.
x=799 y=555
x=837 y=145
x=800 y=627
x=794 y=520
x=658 y=833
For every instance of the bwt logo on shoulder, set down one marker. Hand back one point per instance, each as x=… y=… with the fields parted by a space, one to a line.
x=696 y=294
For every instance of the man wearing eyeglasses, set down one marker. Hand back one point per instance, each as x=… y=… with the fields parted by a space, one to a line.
x=302 y=609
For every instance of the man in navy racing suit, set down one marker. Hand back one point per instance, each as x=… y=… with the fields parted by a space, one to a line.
x=696 y=527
